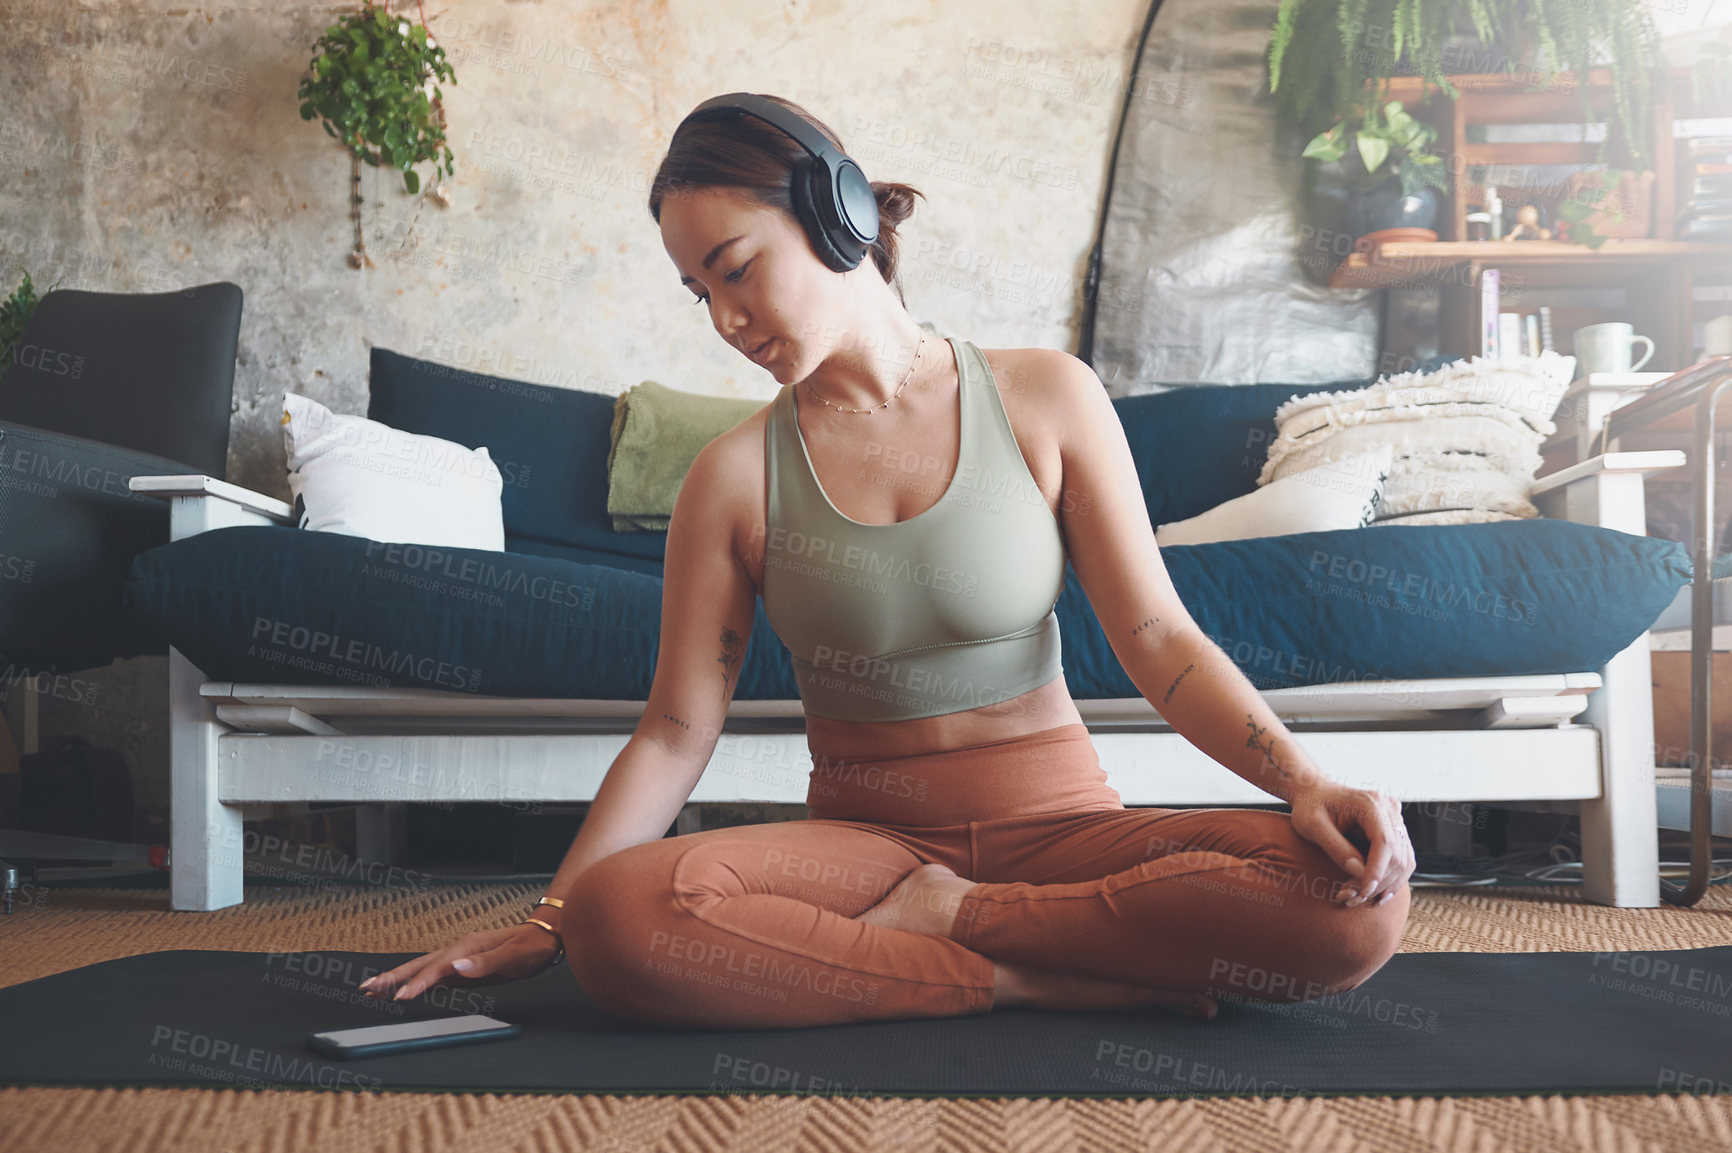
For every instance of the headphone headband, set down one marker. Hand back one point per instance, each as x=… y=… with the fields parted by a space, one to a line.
x=832 y=197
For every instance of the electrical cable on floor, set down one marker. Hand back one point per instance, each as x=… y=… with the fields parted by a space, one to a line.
x=1558 y=863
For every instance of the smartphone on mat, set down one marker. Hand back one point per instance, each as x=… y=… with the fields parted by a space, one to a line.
x=406 y=1036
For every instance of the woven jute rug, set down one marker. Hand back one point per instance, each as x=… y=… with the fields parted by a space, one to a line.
x=60 y=929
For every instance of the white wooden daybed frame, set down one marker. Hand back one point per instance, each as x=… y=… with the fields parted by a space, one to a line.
x=1577 y=742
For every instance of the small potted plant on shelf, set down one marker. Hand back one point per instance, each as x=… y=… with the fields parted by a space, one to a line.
x=374 y=86
x=1387 y=157
x=1600 y=204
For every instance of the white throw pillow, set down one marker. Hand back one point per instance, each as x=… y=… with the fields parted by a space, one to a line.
x=356 y=476
x=1343 y=493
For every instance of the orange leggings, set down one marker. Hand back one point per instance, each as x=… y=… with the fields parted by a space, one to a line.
x=751 y=926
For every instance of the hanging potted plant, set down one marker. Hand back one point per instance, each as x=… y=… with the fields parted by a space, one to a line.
x=1390 y=167
x=1324 y=54
x=374 y=85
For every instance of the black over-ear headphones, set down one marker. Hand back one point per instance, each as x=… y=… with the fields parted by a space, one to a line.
x=832 y=197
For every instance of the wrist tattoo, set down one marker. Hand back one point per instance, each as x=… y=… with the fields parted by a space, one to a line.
x=1176 y=681
x=1265 y=745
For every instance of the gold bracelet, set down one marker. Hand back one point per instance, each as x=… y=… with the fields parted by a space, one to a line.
x=558 y=956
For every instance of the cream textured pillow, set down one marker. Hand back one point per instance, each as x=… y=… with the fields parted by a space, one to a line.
x=356 y=476
x=1466 y=436
x=1343 y=493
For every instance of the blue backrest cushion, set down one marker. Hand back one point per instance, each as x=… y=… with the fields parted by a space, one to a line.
x=1198 y=446
x=550 y=444
x=1195 y=446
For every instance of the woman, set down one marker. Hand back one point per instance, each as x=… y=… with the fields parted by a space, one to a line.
x=905 y=507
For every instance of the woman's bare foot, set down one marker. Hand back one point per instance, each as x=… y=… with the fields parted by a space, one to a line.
x=925 y=901
x=1042 y=989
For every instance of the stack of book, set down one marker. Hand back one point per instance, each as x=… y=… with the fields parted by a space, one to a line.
x=1707 y=190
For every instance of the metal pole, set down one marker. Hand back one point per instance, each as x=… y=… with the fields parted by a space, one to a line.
x=1700 y=385
x=1701 y=658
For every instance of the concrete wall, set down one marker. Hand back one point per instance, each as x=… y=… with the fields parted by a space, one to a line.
x=154 y=144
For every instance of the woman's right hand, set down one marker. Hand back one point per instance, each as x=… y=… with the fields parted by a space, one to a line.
x=490 y=957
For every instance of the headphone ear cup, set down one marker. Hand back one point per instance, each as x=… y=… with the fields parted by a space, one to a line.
x=832 y=187
x=807 y=196
x=856 y=204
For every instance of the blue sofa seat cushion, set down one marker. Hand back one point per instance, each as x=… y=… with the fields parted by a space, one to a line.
x=279 y=605
x=1403 y=601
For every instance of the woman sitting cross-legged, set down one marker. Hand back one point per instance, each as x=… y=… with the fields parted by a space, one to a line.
x=905 y=507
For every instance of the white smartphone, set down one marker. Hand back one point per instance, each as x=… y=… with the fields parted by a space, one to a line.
x=405 y=1036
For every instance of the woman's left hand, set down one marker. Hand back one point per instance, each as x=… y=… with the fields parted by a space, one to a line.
x=1325 y=813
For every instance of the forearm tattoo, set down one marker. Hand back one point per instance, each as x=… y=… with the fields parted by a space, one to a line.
x=1144 y=625
x=1266 y=745
x=1176 y=681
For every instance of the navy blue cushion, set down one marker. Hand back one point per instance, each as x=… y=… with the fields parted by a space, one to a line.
x=1195 y=446
x=1400 y=601
x=1529 y=596
x=279 y=605
x=1199 y=446
x=532 y=547
x=550 y=444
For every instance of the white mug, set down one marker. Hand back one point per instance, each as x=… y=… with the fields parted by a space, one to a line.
x=1607 y=348
x=1717 y=336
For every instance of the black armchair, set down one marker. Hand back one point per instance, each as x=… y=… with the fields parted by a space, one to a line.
x=101 y=387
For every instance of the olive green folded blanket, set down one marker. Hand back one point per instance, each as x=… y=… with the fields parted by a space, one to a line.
x=657 y=432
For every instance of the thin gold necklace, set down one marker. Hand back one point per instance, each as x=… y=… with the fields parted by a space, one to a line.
x=886 y=404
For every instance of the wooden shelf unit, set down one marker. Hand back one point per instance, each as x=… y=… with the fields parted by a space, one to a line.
x=1487 y=99
x=1386 y=264
x=1657 y=275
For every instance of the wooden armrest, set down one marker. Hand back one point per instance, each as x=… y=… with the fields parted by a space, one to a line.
x=1657 y=460
x=201 y=503
x=193 y=485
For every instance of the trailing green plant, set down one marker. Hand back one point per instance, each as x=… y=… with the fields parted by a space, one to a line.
x=368 y=85
x=1325 y=55
x=1388 y=142
x=15 y=313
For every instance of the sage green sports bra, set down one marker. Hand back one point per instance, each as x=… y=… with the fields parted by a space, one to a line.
x=949 y=610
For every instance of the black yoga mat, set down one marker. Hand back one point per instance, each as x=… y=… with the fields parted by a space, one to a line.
x=1424 y=1024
